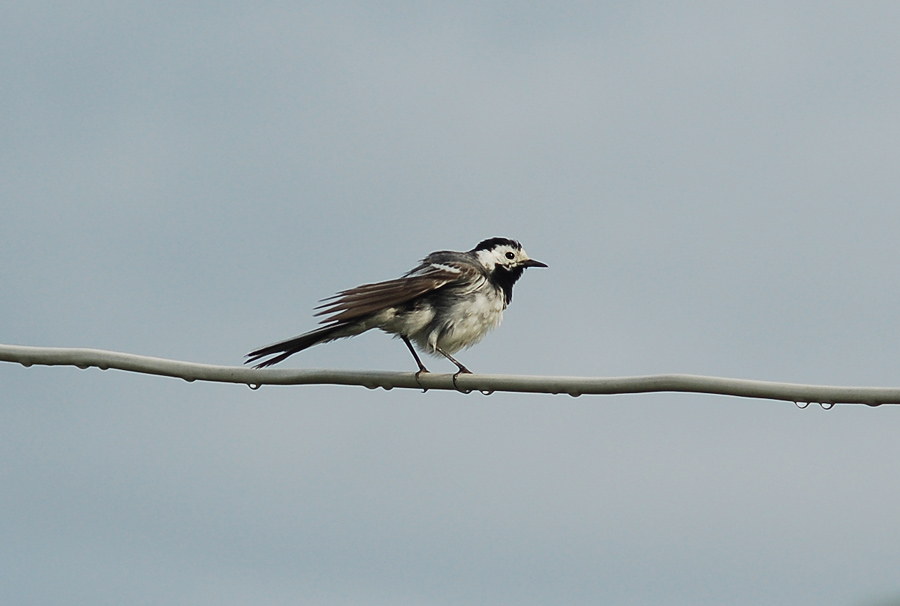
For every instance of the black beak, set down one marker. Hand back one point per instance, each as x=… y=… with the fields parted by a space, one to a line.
x=533 y=263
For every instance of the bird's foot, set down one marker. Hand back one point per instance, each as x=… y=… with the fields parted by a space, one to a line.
x=422 y=370
x=462 y=371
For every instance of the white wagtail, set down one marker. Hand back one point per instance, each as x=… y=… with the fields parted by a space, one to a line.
x=450 y=301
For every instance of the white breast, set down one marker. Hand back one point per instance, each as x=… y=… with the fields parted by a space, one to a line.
x=467 y=323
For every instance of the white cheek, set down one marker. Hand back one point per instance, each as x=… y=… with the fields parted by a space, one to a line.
x=488 y=258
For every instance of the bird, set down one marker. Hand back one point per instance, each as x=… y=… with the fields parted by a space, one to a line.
x=449 y=302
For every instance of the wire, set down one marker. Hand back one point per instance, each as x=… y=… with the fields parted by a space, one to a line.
x=801 y=394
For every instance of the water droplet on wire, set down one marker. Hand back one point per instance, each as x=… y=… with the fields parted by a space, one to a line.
x=801 y=405
x=254 y=386
x=487 y=392
x=826 y=405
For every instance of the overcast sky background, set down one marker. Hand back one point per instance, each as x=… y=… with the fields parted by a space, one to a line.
x=714 y=186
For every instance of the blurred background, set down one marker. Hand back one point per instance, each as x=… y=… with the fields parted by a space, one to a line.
x=714 y=187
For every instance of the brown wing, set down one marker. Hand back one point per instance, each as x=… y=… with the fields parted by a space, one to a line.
x=368 y=298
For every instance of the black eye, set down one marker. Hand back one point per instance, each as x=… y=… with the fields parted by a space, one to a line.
x=510 y=255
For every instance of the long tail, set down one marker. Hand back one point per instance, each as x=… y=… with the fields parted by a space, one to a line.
x=287 y=348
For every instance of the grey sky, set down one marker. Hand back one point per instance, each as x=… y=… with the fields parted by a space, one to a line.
x=714 y=187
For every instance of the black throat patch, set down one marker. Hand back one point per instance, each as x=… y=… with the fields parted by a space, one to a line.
x=505 y=278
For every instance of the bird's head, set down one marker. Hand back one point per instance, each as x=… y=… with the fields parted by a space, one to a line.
x=504 y=255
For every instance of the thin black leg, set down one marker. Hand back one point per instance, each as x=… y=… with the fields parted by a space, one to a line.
x=414 y=355
x=462 y=369
x=459 y=365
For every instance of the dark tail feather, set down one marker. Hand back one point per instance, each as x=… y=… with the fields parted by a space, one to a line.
x=287 y=348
